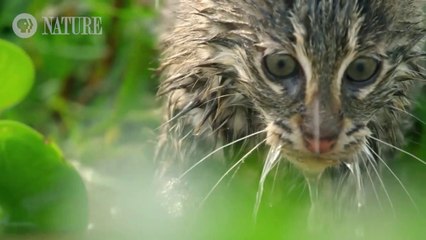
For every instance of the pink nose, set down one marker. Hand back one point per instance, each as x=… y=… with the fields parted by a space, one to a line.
x=319 y=145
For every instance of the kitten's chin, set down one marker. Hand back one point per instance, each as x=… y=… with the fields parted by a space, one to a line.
x=311 y=164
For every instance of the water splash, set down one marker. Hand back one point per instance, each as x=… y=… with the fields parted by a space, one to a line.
x=360 y=196
x=359 y=189
x=271 y=161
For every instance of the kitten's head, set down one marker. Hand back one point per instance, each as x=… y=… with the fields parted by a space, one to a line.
x=324 y=73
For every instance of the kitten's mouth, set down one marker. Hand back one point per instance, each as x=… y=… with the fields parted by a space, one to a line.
x=308 y=153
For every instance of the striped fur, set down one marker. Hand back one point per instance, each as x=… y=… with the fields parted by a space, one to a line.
x=215 y=91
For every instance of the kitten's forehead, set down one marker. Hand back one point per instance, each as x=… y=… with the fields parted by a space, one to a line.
x=329 y=30
x=325 y=19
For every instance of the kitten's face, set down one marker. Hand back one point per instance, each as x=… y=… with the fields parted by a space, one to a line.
x=323 y=70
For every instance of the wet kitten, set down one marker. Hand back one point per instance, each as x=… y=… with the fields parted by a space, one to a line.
x=325 y=84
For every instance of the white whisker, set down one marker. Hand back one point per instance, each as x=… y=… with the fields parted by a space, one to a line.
x=410 y=114
x=373 y=185
x=217 y=150
x=399 y=149
x=234 y=174
x=396 y=177
x=341 y=185
x=277 y=168
x=229 y=170
x=370 y=159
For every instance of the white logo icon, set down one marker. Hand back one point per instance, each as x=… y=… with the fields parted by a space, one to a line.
x=24 y=25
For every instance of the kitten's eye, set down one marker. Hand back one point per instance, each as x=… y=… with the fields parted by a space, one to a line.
x=362 y=69
x=281 y=66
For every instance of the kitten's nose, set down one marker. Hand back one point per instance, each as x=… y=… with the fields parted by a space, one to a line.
x=320 y=146
x=324 y=139
x=321 y=124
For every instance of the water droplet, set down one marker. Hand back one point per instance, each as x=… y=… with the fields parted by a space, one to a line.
x=271 y=161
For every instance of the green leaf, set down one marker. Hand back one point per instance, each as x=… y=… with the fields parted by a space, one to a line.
x=39 y=191
x=16 y=74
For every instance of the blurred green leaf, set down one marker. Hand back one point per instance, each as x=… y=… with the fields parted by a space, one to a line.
x=17 y=74
x=39 y=191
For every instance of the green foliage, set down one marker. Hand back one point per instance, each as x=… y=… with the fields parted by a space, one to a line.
x=17 y=74
x=37 y=186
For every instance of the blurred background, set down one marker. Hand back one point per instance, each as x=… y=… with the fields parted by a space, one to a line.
x=94 y=96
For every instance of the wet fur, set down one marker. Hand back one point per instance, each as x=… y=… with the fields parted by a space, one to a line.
x=215 y=91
